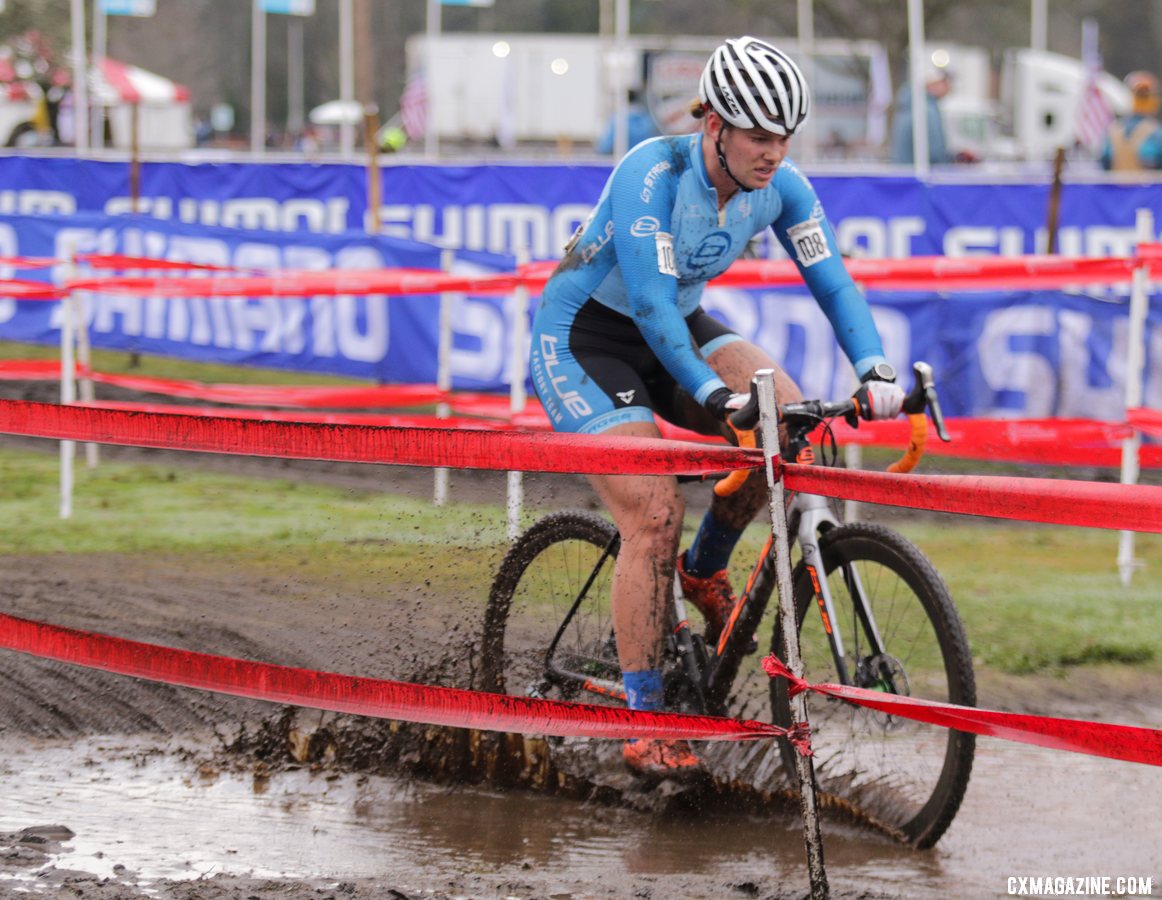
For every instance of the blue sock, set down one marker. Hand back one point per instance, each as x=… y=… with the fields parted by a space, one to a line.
x=712 y=546
x=643 y=690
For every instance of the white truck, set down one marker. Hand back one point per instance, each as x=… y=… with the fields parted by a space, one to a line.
x=557 y=90
x=1035 y=108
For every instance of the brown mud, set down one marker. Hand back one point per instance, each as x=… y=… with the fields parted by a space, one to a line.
x=735 y=836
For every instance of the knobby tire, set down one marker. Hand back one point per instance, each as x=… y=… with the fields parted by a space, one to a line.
x=909 y=775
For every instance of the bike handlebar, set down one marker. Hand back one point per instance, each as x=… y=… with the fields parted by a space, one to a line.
x=803 y=416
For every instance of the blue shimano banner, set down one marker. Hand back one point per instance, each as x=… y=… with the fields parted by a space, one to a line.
x=506 y=208
x=375 y=337
x=1035 y=354
x=326 y=199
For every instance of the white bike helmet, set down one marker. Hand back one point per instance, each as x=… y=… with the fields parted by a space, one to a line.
x=754 y=85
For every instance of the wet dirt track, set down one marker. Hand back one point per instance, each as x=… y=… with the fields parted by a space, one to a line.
x=142 y=814
x=151 y=802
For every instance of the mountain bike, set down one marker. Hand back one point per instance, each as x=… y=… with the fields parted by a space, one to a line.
x=872 y=612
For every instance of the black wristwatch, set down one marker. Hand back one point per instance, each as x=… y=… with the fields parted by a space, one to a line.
x=881 y=371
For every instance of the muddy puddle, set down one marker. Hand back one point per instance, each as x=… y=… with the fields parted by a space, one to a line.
x=158 y=813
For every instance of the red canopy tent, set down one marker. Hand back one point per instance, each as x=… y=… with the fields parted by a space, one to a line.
x=162 y=107
x=113 y=82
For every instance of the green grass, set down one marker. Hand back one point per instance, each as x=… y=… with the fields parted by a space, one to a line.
x=116 y=362
x=1040 y=598
x=1033 y=598
x=147 y=508
x=265 y=525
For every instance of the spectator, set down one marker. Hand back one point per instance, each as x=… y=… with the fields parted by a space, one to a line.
x=639 y=123
x=937 y=84
x=1134 y=142
x=203 y=131
x=307 y=141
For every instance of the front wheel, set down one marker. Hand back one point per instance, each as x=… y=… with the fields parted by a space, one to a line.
x=906 y=774
x=548 y=628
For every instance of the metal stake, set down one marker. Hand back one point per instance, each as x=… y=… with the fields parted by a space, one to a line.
x=769 y=424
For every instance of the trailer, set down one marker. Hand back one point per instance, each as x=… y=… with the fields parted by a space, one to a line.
x=559 y=89
x=509 y=90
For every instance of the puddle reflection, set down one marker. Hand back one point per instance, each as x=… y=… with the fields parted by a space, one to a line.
x=153 y=813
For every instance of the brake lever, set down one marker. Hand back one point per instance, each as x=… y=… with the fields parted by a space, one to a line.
x=746 y=418
x=923 y=395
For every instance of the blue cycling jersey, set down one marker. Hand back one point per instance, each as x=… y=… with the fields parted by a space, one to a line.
x=656 y=236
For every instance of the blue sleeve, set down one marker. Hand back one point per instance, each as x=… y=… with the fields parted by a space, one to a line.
x=642 y=193
x=803 y=230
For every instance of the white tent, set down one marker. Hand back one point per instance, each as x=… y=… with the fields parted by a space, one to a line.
x=162 y=106
x=337 y=112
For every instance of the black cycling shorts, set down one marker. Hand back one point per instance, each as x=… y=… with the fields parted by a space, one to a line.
x=597 y=371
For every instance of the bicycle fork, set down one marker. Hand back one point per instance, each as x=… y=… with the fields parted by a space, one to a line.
x=815 y=517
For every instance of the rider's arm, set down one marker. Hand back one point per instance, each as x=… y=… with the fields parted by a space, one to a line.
x=642 y=194
x=803 y=230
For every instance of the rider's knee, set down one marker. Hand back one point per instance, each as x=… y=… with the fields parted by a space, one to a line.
x=658 y=527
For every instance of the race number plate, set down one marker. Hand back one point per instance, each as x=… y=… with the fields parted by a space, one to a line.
x=809 y=241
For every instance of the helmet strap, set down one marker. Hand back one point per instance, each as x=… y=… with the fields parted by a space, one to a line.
x=722 y=160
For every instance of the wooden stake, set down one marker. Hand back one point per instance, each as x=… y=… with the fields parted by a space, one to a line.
x=1055 y=201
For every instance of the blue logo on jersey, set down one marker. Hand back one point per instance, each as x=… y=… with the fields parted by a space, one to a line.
x=712 y=249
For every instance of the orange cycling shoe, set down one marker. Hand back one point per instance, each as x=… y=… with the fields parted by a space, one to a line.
x=712 y=596
x=654 y=758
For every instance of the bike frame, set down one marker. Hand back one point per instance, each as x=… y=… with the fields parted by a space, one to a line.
x=810 y=516
x=563 y=677
x=711 y=675
x=832 y=572
x=815 y=517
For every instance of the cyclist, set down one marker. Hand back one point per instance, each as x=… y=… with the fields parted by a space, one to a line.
x=620 y=336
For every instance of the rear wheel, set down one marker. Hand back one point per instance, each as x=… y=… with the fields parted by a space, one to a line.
x=906 y=774
x=529 y=635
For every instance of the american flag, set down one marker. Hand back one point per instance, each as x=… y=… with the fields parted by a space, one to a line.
x=1094 y=114
x=413 y=106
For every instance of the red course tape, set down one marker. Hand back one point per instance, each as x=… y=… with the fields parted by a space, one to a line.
x=391 y=282
x=451 y=447
x=1080 y=442
x=1061 y=502
x=394 y=420
x=925 y=273
x=124 y=261
x=1146 y=420
x=364 y=696
x=1124 y=742
x=1124 y=507
x=1051 y=441
x=29 y=290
